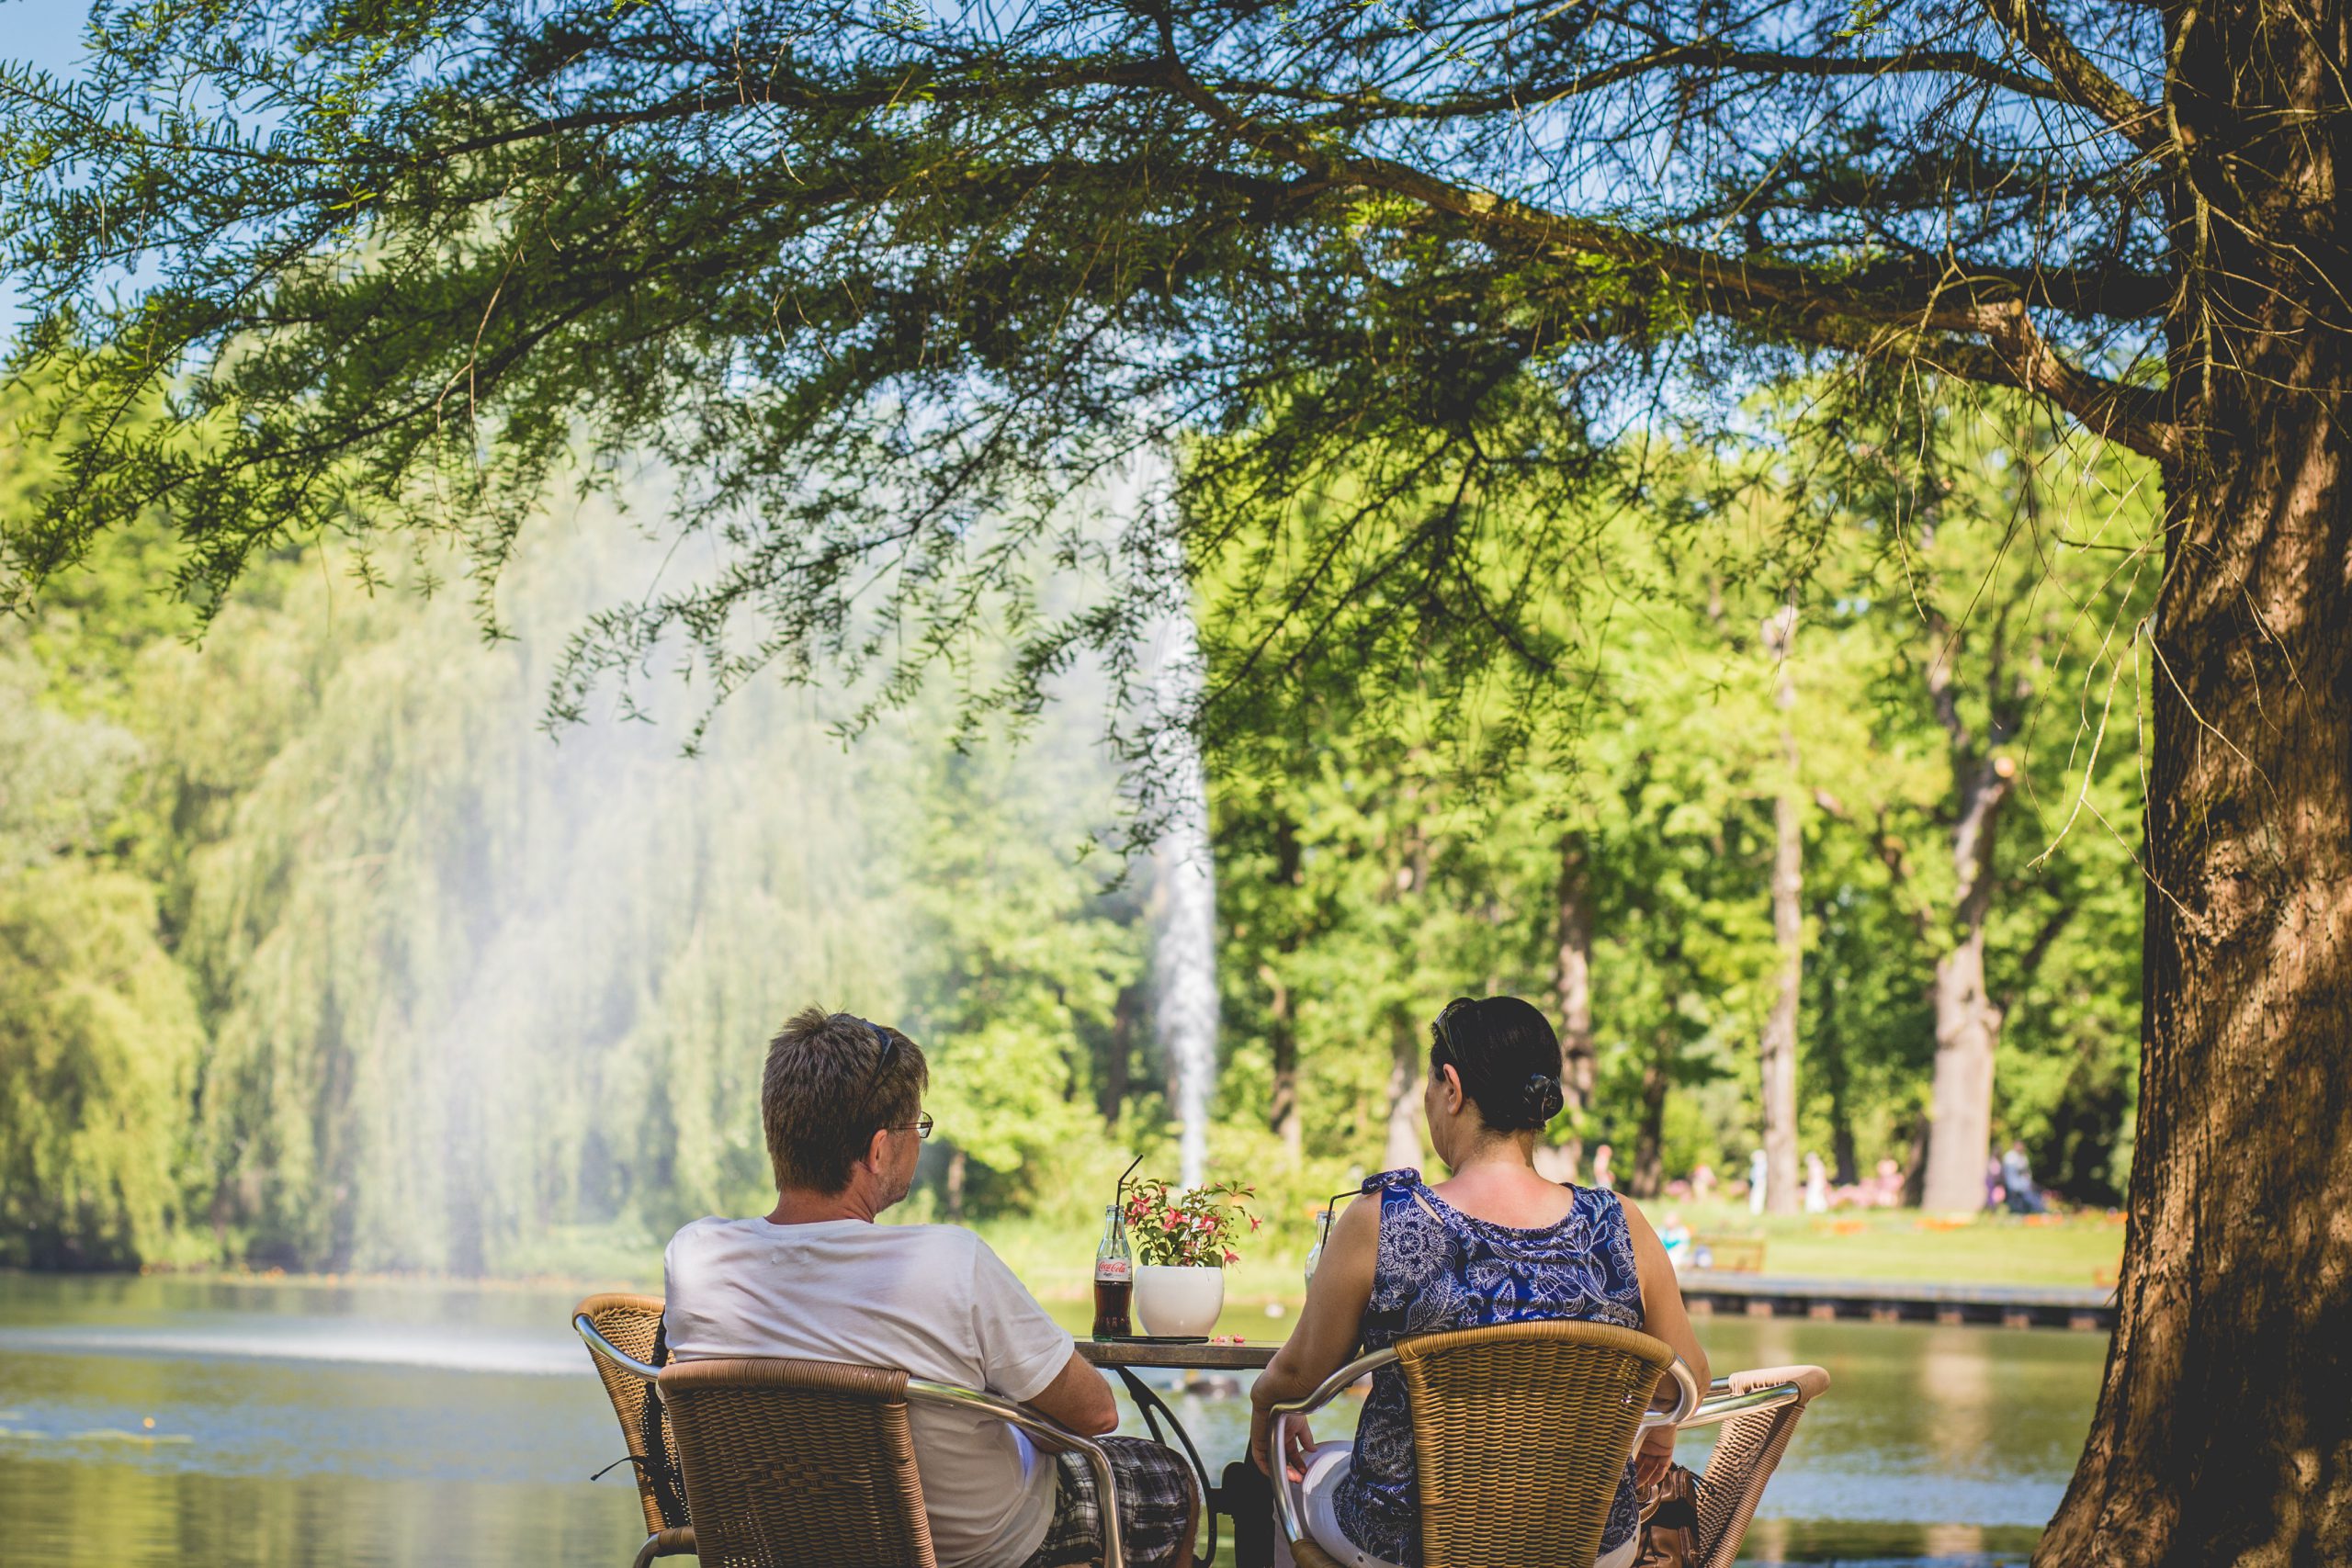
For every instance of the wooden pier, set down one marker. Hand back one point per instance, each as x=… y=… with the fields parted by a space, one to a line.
x=1711 y=1290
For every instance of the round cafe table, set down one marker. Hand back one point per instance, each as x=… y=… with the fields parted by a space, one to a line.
x=1117 y=1353
x=1125 y=1355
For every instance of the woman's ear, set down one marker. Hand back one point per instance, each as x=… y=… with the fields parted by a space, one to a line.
x=1450 y=1088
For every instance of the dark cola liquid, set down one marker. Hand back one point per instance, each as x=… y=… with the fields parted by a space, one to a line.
x=1110 y=1298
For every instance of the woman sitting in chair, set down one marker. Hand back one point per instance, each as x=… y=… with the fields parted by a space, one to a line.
x=1494 y=1243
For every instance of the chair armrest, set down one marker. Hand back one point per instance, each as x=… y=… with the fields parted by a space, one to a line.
x=1289 y=1508
x=678 y=1541
x=1722 y=1404
x=605 y=1349
x=1049 y=1435
x=1686 y=1404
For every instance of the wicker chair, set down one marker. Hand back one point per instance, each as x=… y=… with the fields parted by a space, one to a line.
x=791 y=1462
x=1520 y=1432
x=810 y=1464
x=618 y=1330
x=1758 y=1412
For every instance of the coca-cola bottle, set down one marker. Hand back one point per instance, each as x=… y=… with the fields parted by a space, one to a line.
x=1114 y=1276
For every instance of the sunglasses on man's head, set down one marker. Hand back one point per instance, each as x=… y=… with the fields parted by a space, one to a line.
x=920 y=1126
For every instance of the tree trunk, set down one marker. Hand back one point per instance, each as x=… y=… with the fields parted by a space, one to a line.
x=1403 y=1147
x=1282 y=1035
x=2217 y=1439
x=957 y=1167
x=1648 y=1175
x=1117 y=1071
x=1573 y=991
x=1829 y=1050
x=1282 y=1040
x=1780 y=1043
x=1968 y=1030
x=1968 y=1024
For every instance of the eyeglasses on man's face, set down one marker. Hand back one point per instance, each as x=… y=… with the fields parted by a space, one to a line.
x=919 y=1126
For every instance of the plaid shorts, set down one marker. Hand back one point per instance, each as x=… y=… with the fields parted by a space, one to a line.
x=1157 y=1503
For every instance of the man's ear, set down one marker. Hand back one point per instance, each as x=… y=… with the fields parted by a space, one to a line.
x=878 y=1150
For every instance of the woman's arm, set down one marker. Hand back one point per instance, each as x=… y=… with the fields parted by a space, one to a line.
x=1663 y=1316
x=1328 y=1325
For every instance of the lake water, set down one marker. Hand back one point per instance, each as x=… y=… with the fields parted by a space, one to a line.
x=394 y=1424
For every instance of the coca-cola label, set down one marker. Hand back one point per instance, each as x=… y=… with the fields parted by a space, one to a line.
x=1111 y=1269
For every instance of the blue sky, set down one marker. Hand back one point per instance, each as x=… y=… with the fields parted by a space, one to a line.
x=46 y=32
x=49 y=34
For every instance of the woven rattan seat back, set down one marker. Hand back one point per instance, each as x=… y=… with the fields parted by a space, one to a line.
x=1748 y=1448
x=630 y=1322
x=797 y=1464
x=1521 y=1434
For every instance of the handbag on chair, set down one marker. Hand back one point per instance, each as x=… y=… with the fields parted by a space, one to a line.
x=1669 y=1536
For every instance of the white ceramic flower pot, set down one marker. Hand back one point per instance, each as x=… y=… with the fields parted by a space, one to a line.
x=1179 y=1299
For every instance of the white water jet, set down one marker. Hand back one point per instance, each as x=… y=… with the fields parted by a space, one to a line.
x=1184 y=946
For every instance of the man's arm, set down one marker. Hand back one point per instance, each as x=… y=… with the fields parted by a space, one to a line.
x=1019 y=1340
x=1078 y=1398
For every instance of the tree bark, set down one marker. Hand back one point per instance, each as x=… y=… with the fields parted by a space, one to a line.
x=2222 y=1434
x=1572 y=982
x=1778 y=1052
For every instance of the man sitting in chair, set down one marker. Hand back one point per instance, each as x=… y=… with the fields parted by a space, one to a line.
x=817 y=1280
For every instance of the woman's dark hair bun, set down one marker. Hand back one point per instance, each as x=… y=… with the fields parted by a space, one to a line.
x=1508 y=1056
x=1544 y=1096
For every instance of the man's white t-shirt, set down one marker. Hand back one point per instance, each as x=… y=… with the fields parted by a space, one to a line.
x=932 y=1299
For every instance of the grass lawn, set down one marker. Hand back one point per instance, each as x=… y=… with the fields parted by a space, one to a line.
x=2076 y=1250
x=1899 y=1244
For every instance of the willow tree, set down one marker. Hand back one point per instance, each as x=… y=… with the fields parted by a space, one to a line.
x=859 y=277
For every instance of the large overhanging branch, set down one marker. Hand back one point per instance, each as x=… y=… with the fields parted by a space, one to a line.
x=1712 y=55
x=1946 y=324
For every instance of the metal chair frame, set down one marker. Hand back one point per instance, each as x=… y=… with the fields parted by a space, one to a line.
x=1047 y=1435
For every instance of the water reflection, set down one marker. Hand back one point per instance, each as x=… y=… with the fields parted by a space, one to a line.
x=391 y=1426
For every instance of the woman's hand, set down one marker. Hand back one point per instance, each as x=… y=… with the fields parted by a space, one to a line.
x=1652 y=1458
x=1294 y=1442
x=1261 y=1427
x=1297 y=1441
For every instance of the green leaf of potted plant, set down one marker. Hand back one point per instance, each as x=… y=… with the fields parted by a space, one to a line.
x=1183 y=1240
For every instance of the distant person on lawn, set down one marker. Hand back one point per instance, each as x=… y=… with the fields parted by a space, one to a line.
x=2017 y=1176
x=816 y=1279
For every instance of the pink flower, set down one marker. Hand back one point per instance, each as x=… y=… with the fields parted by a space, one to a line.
x=1171 y=1218
x=1233 y=1258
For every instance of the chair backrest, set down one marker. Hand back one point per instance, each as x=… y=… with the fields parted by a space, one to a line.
x=1521 y=1432
x=797 y=1464
x=1748 y=1449
x=631 y=1322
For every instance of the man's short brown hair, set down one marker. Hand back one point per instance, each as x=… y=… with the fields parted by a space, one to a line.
x=821 y=1097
